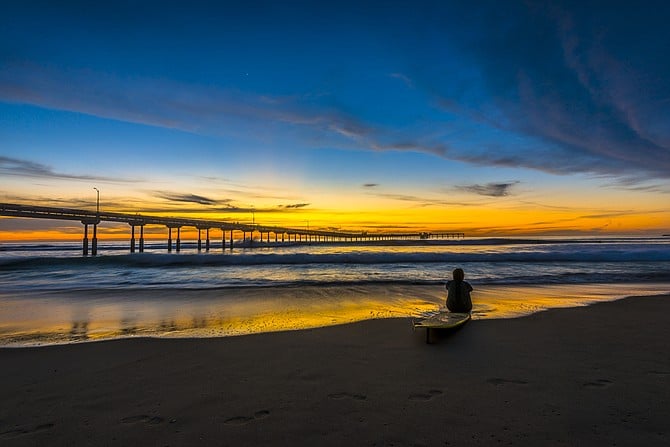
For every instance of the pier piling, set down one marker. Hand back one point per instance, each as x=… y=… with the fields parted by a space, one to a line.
x=94 y=242
x=85 y=241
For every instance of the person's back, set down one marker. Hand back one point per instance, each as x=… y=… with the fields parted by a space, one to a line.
x=458 y=296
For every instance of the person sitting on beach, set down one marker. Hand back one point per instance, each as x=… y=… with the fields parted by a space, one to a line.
x=458 y=298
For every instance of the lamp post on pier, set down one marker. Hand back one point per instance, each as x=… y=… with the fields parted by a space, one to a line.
x=97 y=203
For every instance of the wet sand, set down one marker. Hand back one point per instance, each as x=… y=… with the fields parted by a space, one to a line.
x=595 y=375
x=38 y=318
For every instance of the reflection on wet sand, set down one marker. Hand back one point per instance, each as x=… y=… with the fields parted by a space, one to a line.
x=79 y=331
x=95 y=314
x=167 y=326
x=81 y=316
x=128 y=327
x=199 y=322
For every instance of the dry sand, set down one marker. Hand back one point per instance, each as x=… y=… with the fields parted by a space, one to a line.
x=597 y=375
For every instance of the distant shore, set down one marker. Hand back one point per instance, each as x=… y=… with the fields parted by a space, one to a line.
x=594 y=375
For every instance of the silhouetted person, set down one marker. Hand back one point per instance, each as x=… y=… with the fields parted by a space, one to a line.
x=458 y=298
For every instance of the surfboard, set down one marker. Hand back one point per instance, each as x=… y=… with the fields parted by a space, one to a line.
x=442 y=320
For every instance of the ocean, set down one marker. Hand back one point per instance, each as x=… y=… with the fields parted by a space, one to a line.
x=51 y=294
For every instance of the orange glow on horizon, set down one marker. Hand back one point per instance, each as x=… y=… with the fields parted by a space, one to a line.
x=551 y=212
x=474 y=222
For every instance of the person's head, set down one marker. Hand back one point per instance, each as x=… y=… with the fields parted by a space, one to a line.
x=459 y=274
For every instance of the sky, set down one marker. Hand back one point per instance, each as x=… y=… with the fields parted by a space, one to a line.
x=484 y=117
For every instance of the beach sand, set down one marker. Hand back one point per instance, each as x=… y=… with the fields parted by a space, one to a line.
x=595 y=375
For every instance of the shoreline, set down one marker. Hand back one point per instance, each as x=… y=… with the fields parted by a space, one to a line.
x=592 y=375
x=76 y=316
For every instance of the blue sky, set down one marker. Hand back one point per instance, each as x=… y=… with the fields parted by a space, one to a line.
x=327 y=104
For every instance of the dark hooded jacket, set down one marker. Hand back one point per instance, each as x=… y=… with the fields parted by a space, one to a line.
x=458 y=298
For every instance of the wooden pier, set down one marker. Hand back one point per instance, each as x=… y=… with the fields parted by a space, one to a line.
x=174 y=225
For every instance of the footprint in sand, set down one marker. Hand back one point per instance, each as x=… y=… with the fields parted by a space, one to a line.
x=238 y=420
x=340 y=396
x=151 y=420
x=425 y=396
x=501 y=381
x=21 y=431
x=241 y=420
x=600 y=383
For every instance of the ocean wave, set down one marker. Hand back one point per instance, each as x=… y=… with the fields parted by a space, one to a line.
x=112 y=285
x=149 y=260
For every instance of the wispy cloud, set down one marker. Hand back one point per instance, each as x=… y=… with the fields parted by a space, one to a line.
x=564 y=94
x=404 y=78
x=173 y=105
x=224 y=205
x=636 y=184
x=489 y=189
x=117 y=204
x=370 y=185
x=294 y=206
x=422 y=201
x=536 y=85
x=614 y=214
x=26 y=168
x=18 y=224
x=188 y=198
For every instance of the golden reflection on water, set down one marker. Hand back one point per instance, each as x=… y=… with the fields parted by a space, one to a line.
x=67 y=317
x=518 y=301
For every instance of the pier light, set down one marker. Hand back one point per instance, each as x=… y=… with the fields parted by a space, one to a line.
x=97 y=203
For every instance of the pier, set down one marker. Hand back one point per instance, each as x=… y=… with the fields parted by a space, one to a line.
x=267 y=234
